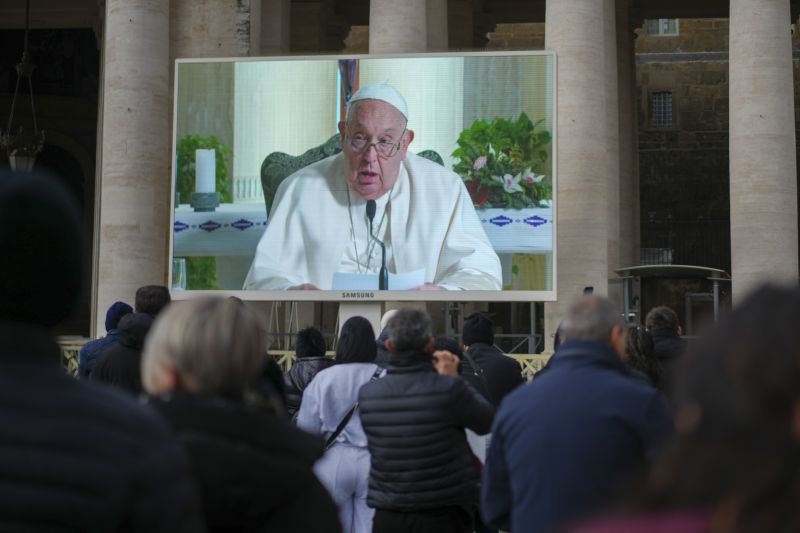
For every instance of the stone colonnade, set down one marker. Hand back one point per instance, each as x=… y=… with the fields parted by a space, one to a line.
x=598 y=183
x=763 y=173
x=142 y=38
x=134 y=159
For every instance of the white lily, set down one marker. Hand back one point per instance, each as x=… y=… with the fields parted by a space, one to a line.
x=510 y=183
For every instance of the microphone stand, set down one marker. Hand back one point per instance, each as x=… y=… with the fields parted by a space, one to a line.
x=383 y=274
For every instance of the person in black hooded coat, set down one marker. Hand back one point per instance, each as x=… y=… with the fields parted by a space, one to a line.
x=120 y=364
x=253 y=468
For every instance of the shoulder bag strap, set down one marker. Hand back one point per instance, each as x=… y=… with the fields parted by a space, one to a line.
x=478 y=372
x=331 y=440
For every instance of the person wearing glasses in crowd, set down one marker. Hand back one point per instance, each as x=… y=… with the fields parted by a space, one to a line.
x=422 y=212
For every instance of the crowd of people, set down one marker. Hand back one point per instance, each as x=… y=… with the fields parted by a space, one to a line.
x=180 y=421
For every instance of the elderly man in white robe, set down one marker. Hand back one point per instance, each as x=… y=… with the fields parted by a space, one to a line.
x=423 y=213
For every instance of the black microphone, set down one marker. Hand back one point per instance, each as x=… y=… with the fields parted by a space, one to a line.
x=371 y=213
x=383 y=275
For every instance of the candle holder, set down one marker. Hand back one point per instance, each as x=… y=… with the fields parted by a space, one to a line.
x=204 y=201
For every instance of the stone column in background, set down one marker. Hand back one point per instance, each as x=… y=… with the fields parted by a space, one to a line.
x=274 y=27
x=134 y=182
x=763 y=168
x=628 y=140
x=574 y=32
x=210 y=28
x=436 y=24
x=398 y=27
x=611 y=141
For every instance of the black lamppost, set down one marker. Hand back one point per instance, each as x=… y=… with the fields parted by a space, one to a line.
x=22 y=150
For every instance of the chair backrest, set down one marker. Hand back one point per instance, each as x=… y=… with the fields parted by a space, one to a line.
x=278 y=166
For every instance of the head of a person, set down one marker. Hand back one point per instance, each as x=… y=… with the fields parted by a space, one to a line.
x=595 y=318
x=375 y=139
x=115 y=312
x=133 y=329
x=662 y=318
x=477 y=328
x=738 y=418
x=206 y=345
x=40 y=271
x=310 y=343
x=450 y=344
x=386 y=317
x=356 y=342
x=639 y=351
x=409 y=336
x=151 y=299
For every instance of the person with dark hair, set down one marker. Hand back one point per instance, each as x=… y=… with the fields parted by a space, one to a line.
x=253 y=469
x=668 y=346
x=735 y=463
x=122 y=369
x=87 y=357
x=151 y=299
x=485 y=366
x=577 y=433
x=120 y=364
x=382 y=359
x=448 y=344
x=309 y=360
x=75 y=456
x=640 y=355
x=423 y=476
x=330 y=408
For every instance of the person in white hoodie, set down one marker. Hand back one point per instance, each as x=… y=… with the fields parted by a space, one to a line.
x=331 y=395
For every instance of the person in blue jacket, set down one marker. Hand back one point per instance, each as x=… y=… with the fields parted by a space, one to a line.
x=566 y=442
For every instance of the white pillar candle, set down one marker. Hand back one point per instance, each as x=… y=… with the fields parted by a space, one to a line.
x=205 y=165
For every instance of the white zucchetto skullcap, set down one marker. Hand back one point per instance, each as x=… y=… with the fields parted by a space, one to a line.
x=385 y=93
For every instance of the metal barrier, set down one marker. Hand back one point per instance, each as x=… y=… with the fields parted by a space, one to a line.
x=529 y=364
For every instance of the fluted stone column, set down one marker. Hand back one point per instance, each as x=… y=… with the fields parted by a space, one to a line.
x=573 y=30
x=763 y=173
x=135 y=154
x=397 y=27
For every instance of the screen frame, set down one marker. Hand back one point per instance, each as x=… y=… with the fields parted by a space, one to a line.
x=373 y=295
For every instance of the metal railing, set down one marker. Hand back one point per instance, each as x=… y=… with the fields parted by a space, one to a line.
x=529 y=364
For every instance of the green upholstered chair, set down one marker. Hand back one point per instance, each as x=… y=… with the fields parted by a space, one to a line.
x=277 y=166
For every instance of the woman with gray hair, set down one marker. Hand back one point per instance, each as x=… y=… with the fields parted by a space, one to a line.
x=201 y=363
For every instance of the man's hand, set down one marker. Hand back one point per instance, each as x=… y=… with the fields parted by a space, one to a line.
x=304 y=287
x=429 y=287
x=445 y=362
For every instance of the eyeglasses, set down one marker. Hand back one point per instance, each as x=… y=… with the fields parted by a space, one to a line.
x=385 y=148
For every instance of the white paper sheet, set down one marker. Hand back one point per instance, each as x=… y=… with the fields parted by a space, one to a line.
x=369 y=282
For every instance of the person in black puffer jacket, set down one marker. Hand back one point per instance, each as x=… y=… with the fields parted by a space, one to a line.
x=310 y=359
x=253 y=468
x=423 y=475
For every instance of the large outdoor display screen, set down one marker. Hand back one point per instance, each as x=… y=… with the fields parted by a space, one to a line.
x=272 y=176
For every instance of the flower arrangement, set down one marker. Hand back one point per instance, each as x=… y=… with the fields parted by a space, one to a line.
x=503 y=163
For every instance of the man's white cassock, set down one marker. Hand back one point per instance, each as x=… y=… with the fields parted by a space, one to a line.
x=432 y=224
